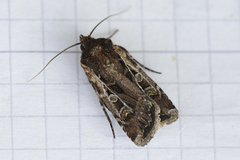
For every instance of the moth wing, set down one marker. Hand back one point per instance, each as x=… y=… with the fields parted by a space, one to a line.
x=138 y=104
x=168 y=112
x=138 y=118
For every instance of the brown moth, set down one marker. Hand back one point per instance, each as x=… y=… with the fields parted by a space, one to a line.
x=137 y=103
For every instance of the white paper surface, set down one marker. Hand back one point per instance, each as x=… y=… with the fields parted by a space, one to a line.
x=57 y=116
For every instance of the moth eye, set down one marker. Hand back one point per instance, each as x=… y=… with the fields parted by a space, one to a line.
x=113 y=98
x=139 y=77
x=82 y=47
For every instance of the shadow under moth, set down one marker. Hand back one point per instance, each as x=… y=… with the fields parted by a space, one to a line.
x=137 y=103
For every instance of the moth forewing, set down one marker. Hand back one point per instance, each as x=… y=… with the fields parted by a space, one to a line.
x=138 y=104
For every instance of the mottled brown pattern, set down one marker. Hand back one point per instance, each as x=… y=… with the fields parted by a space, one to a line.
x=138 y=104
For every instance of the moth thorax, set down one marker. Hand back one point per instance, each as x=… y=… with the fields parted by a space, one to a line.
x=96 y=50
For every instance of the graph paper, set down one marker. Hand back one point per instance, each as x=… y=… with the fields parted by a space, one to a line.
x=57 y=116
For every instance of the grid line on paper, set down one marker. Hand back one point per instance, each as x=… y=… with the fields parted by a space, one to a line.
x=177 y=66
x=210 y=71
x=44 y=80
x=10 y=70
x=111 y=117
x=143 y=49
x=67 y=116
x=213 y=52
x=84 y=83
x=189 y=148
x=78 y=84
x=239 y=11
x=109 y=34
x=126 y=20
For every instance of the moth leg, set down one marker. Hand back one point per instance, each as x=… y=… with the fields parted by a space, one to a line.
x=109 y=120
x=113 y=34
x=140 y=64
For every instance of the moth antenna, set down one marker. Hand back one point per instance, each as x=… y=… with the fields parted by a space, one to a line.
x=113 y=34
x=140 y=64
x=107 y=18
x=53 y=59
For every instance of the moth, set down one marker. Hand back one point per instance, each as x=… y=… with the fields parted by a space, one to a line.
x=137 y=103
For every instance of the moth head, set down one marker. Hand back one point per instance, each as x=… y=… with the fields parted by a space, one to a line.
x=84 y=40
